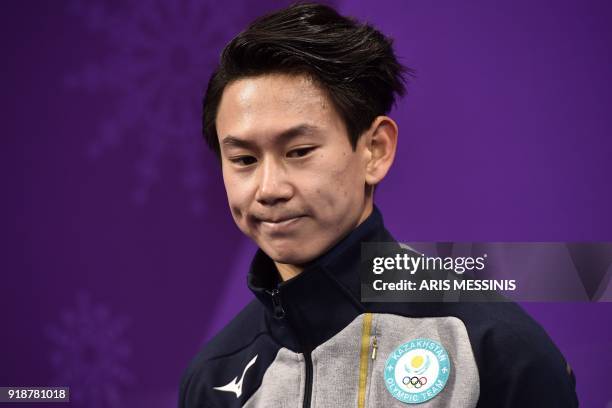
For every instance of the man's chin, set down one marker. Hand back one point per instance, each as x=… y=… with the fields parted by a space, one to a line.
x=291 y=257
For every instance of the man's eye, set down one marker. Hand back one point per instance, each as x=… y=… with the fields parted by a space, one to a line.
x=243 y=160
x=302 y=151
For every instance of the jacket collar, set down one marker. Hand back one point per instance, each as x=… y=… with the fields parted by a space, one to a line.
x=310 y=308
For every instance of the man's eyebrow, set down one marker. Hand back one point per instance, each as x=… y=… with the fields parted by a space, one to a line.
x=284 y=136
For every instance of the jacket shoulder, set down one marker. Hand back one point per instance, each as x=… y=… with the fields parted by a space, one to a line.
x=241 y=330
x=207 y=366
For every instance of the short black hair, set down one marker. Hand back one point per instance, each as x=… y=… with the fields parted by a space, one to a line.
x=352 y=62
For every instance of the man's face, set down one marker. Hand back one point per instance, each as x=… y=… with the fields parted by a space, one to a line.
x=294 y=184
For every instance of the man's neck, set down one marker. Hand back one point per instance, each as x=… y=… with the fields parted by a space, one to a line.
x=288 y=271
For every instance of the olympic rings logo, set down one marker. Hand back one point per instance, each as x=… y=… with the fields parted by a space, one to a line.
x=415 y=382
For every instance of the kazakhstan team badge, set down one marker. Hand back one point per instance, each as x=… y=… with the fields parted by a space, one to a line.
x=417 y=371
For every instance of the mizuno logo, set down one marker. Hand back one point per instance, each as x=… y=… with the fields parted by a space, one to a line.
x=235 y=385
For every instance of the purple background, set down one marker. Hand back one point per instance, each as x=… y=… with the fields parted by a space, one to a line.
x=119 y=255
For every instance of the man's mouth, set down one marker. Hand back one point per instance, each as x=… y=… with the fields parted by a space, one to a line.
x=278 y=224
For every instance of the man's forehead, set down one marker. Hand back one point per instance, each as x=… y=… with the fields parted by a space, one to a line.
x=273 y=91
x=275 y=106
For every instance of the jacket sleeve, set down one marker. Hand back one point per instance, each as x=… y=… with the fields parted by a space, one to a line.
x=191 y=391
x=526 y=370
x=184 y=400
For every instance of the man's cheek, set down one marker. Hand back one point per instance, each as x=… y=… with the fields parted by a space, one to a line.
x=237 y=209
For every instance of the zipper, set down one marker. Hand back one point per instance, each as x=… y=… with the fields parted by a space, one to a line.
x=367 y=338
x=279 y=314
x=308 y=385
x=374 y=348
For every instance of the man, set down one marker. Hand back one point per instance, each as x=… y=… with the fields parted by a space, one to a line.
x=296 y=112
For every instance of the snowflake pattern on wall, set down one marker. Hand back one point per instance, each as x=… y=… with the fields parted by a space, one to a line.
x=161 y=56
x=89 y=354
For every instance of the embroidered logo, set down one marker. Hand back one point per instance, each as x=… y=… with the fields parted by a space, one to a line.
x=235 y=385
x=417 y=371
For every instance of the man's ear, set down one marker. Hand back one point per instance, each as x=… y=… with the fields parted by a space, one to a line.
x=381 y=143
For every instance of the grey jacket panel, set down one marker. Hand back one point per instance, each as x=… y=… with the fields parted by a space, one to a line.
x=283 y=383
x=336 y=366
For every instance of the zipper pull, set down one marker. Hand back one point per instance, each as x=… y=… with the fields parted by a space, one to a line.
x=374 y=347
x=279 y=312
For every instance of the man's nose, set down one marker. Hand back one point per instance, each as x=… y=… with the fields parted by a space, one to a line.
x=274 y=184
